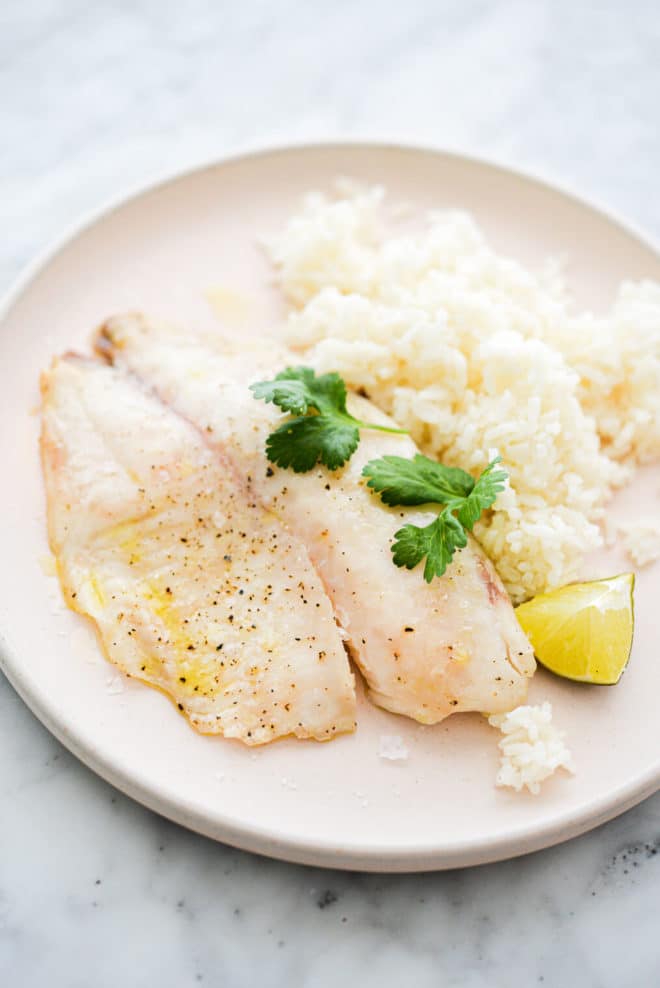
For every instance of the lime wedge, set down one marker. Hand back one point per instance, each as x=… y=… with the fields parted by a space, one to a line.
x=583 y=631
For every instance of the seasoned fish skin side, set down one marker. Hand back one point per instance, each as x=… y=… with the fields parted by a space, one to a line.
x=194 y=587
x=425 y=650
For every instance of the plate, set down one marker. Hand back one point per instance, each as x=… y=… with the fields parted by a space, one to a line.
x=337 y=804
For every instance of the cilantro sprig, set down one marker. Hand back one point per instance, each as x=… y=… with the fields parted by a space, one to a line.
x=321 y=429
x=423 y=481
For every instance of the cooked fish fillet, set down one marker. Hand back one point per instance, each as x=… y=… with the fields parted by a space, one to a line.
x=425 y=650
x=195 y=588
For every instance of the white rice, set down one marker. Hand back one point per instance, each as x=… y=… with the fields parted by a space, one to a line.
x=476 y=355
x=641 y=539
x=532 y=747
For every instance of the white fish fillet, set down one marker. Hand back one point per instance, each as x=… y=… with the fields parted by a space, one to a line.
x=195 y=588
x=425 y=650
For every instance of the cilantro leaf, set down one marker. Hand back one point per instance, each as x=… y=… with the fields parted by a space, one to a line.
x=301 y=442
x=437 y=542
x=297 y=389
x=483 y=495
x=323 y=429
x=416 y=481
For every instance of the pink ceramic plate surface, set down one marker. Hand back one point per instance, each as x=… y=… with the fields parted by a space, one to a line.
x=336 y=804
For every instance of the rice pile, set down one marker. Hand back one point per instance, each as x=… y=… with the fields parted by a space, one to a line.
x=476 y=355
x=532 y=747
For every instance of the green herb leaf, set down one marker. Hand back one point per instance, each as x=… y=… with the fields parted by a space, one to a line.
x=416 y=481
x=301 y=442
x=483 y=495
x=323 y=429
x=423 y=481
x=437 y=542
x=297 y=389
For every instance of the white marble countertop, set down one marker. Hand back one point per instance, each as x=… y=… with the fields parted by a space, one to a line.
x=96 y=891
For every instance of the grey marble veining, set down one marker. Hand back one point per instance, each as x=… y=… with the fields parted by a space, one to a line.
x=95 y=97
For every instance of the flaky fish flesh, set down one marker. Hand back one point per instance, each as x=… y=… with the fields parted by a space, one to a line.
x=194 y=586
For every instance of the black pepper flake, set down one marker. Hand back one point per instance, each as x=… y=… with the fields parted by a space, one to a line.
x=408 y=629
x=182 y=679
x=218 y=648
x=227 y=559
x=269 y=471
x=327 y=898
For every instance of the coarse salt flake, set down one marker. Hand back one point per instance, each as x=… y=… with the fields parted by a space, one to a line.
x=392 y=748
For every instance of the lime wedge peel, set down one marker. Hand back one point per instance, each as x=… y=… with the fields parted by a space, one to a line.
x=583 y=631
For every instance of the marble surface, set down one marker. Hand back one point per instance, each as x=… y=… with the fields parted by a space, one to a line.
x=96 y=891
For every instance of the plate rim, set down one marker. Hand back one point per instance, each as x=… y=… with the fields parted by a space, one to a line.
x=265 y=840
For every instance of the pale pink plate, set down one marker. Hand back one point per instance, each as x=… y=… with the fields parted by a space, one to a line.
x=336 y=804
